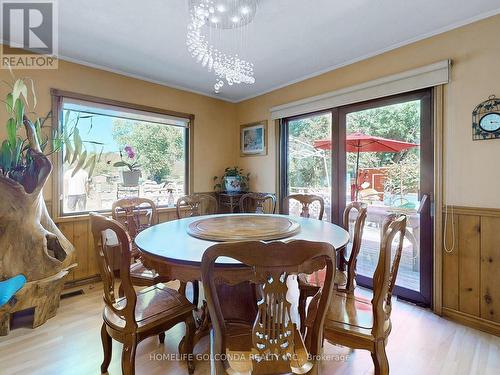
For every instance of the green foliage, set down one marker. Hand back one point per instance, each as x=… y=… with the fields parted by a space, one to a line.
x=306 y=167
x=400 y=122
x=161 y=147
x=403 y=177
x=219 y=182
x=15 y=159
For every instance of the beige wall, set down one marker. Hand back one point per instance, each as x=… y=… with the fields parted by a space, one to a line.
x=472 y=172
x=214 y=119
x=472 y=176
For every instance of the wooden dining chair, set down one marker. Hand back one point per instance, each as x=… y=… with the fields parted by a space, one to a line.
x=190 y=206
x=358 y=322
x=270 y=336
x=196 y=205
x=345 y=279
x=306 y=200
x=258 y=203
x=137 y=315
x=136 y=214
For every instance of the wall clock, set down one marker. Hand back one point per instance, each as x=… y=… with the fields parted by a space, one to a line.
x=486 y=120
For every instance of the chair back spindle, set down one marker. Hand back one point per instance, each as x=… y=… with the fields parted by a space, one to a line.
x=356 y=236
x=258 y=203
x=306 y=200
x=274 y=334
x=100 y=225
x=132 y=211
x=196 y=205
x=384 y=278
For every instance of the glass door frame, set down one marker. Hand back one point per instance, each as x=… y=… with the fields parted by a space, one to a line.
x=338 y=179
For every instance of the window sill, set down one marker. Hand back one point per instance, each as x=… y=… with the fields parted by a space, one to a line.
x=85 y=216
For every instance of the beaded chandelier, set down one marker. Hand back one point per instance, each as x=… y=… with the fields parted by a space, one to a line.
x=214 y=25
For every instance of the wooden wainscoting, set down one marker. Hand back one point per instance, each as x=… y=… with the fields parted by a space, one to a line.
x=77 y=230
x=471 y=268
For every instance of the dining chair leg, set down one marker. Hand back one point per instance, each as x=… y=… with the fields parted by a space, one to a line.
x=161 y=337
x=379 y=357
x=128 y=355
x=302 y=311
x=196 y=292
x=107 y=348
x=186 y=344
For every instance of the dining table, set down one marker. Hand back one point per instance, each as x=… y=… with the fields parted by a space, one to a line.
x=174 y=249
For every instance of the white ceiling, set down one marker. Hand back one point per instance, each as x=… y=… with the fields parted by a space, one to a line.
x=288 y=41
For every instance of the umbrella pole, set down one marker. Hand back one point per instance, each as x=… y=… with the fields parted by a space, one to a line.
x=357 y=173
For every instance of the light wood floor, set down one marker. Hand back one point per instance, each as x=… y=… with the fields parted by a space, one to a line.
x=421 y=343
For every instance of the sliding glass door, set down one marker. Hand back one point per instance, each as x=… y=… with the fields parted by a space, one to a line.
x=378 y=152
x=307 y=168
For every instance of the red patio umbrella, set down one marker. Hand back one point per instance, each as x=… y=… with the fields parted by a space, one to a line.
x=359 y=142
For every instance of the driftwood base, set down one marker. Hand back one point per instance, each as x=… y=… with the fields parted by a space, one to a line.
x=42 y=295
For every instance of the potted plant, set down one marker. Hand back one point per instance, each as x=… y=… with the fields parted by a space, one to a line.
x=131 y=176
x=234 y=180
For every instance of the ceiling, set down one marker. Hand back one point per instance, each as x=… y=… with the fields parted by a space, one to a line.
x=289 y=40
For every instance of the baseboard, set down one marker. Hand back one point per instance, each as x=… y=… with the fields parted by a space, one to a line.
x=472 y=321
x=88 y=280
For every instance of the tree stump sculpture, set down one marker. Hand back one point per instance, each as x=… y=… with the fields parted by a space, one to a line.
x=30 y=242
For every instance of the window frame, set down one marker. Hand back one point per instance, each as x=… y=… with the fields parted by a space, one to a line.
x=57 y=176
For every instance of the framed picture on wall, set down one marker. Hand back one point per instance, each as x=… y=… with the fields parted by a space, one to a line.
x=253 y=139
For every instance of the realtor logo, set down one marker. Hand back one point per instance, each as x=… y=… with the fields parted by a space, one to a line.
x=29 y=34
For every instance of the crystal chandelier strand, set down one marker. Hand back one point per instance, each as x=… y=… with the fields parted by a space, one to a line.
x=230 y=69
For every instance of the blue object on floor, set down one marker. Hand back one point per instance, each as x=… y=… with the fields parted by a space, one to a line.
x=10 y=287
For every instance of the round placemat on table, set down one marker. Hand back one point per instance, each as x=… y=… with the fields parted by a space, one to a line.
x=243 y=228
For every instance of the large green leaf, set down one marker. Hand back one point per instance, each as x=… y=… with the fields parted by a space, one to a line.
x=33 y=93
x=19 y=90
x=11 y=132
x=16 y=157
x=19 y=110
x=79 y=165
x=9 y=103
x=5 y=156
x=90 y=165
x=77 y=140
x=120 y=164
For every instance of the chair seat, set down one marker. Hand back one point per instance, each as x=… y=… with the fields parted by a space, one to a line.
x=155 y=304
x=139 y=272
x=241 y=354
x=350 y=313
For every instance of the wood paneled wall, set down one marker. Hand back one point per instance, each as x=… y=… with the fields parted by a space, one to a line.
x=77 y=230
x=471 y=267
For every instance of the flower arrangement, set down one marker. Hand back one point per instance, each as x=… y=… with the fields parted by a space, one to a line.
x=133 y=163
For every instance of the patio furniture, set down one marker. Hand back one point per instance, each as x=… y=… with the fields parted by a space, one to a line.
x=137 y=315
x=258 y=203
x=358 y=322
x=306 y=200
x=260 y=344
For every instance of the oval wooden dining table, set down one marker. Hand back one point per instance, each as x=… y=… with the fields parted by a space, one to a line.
x=175 y=254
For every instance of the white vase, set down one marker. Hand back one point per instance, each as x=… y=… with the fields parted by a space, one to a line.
x=232 y=184
x=131 y=178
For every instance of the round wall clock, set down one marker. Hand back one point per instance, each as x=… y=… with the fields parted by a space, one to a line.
x=490 y=122
x=486 y=120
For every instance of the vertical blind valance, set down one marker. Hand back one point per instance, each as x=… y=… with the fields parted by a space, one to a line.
x=420 y=78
